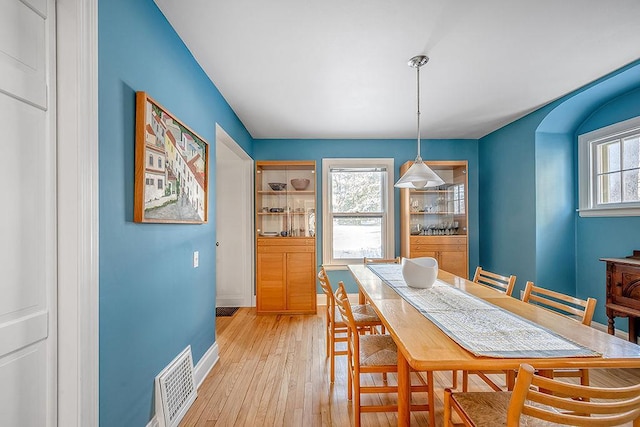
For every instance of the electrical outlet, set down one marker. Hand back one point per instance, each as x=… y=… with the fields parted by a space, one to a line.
x=195 y=259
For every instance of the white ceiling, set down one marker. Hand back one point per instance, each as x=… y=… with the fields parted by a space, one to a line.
x=338 y=68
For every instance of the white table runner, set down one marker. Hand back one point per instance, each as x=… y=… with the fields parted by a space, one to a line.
x=478 y=326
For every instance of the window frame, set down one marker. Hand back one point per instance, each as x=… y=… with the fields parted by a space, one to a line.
x=587 y=172
x=388 y=223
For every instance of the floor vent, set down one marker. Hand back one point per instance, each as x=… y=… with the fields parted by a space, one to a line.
x=175 y=390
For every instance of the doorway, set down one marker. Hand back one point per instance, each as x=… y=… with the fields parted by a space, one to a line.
x=234 y=224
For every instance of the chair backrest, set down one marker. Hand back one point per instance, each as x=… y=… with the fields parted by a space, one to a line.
x=495 y=281
x=344 y=306
x=594 y=406
x=325 y=284
x=575 y=308
x=382 y=260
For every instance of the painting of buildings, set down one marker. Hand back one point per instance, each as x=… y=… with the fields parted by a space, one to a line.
x=171 y=167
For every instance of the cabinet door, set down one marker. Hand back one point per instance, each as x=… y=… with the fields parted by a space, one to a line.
x=301 y=286
x=454 y=262
x=271 y=288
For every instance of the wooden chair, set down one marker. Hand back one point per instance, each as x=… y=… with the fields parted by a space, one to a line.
x=575 y=308
x=505 y=285
x=500 y=283
x=527 y=406
x=374 y=354
x=335 y=327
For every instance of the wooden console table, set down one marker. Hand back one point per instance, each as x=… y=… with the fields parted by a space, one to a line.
x=623 y=292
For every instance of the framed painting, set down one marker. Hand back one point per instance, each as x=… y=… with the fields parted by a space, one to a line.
x=172 y=167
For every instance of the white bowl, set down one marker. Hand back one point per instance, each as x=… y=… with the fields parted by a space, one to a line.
x=420 y=272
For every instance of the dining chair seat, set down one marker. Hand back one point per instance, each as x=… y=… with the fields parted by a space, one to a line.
x=490 y=409
x=362 y=313
x=540 y=401
x=378 y=350
x=335 y=326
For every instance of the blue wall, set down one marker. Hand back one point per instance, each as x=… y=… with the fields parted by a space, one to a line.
x=605 y=237
x=507 y=199
x=152 y=302
x=528 y=192
x=401 y=150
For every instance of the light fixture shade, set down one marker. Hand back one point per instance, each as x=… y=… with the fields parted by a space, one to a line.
x=419 y=176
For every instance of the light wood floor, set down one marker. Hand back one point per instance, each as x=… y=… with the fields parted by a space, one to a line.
x=273 y=372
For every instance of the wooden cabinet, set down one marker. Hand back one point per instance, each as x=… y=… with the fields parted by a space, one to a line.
x=285 y=237
x=433 y=221
x=623 y=292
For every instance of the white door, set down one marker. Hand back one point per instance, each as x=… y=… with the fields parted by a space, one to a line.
x=234 y=223
x=27 y=215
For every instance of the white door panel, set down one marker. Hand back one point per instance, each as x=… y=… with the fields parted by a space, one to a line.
x=22 y=222
x=22 y=382
x=22 y=53
x=27 y=218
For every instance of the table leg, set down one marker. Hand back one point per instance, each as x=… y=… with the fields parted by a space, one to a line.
x=361 y=298
x=404 y=391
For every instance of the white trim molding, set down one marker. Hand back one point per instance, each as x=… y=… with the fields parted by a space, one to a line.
x=587 y=192
x=77 y=188
x=205 y=364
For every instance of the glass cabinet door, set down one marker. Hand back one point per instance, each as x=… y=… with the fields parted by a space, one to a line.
x=285 y=199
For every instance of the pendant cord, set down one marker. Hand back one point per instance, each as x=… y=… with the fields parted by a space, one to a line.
x=418 y=158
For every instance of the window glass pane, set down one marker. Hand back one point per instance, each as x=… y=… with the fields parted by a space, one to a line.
x=357 y=191
x=609 y=188
x=357 y=237
x=631 y=152
x=609 y=157
x=630 y=185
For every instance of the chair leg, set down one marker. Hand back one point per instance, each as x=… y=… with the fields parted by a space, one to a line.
x=332 y=356
x=447 y=407
x=356 y=399
x=584 y=376
x=510 y=379
x=465 y=381
x=454 y=379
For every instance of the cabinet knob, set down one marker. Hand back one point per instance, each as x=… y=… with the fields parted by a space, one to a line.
x=217 y=243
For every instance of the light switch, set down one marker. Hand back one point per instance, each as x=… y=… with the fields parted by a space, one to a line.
x=195 y=259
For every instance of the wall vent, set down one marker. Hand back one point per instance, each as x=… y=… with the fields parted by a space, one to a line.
x=175 y=389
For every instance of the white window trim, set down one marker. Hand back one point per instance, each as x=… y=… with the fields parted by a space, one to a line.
x=585 y=168
x=389 y=230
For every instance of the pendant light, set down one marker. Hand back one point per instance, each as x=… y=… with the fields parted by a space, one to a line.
x=419 y=174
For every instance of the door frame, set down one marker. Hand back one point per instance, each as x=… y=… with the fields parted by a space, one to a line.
x=77 y=218
x=247 y=276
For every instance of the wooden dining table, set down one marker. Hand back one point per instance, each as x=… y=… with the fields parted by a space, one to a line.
x=423 y=346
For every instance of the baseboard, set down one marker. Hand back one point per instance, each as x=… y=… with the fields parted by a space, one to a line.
x=200 y=372
x=205 y=364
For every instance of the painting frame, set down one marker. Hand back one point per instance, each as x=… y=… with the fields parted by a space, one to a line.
x=171 y=167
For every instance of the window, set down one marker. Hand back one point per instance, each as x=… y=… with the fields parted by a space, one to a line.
x=609 y=170
x=159 y=162
x=358 y=205
x=160 y=182
x=150 y=160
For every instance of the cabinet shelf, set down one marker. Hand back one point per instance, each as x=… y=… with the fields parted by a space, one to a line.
x=286 y=192
x=282 y=213
x=285 y=241
x=437 y=212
